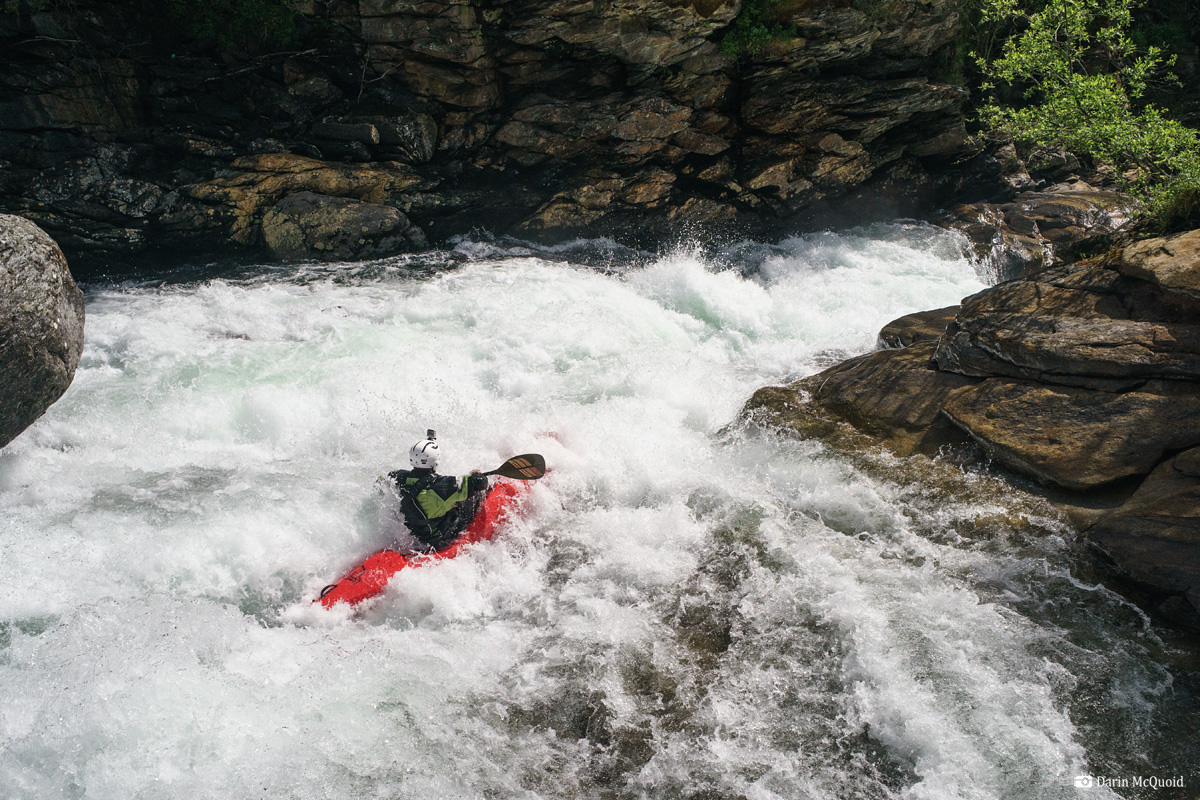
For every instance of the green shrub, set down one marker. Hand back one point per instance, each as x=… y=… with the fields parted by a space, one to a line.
x=236 y=26
x=14 y=6
x=751 y=31
x=1071 y=76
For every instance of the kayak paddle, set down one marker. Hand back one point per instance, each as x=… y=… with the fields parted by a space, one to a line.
x=528 y=467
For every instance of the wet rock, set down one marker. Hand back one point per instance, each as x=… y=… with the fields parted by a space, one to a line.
x=1077 y=438
x=307 y=225
x=1038 y=229
x=895 y=396
x=1092 y=375
x=1081 y=377
x=235 y=203
x=1153 y=539
x=41 y=325
x=494 y=101
x=923 y=326
x=1063 y=334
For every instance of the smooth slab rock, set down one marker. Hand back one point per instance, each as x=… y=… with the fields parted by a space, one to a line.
x=1171 y=262
x=923 y=326
x=1154 y=538
x=1077 y=438
x=1062 y=334
x=892 y=395
x=41 y=325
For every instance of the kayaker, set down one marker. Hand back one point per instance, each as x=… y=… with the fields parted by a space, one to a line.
x=436 y=508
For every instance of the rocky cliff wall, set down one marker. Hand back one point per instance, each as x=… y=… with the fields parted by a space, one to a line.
x=412 y=120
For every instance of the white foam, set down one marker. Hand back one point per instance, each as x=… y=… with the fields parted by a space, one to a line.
x=167 y=523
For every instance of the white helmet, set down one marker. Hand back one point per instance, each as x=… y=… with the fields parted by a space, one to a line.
x=424 y=454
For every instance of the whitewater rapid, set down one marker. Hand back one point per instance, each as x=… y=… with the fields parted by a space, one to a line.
x=687 y=606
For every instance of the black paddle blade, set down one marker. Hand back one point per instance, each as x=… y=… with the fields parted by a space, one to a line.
x=528 y=467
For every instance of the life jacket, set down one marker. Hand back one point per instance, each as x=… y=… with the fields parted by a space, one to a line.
x=431 y=504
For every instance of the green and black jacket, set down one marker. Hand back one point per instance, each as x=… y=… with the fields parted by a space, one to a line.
x=436 y=507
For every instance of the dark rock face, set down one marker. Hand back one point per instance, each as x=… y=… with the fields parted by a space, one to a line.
x=335 y=228
x=1081 y=377
x=41 y=325
x=551 y=117
x=1153 y=540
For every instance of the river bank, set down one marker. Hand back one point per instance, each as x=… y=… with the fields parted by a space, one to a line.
x=1082 y=377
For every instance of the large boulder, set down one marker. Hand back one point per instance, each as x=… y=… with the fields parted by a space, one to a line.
x=1171 y=263
x=41 y=325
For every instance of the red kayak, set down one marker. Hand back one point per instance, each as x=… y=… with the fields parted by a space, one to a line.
x=371 y=576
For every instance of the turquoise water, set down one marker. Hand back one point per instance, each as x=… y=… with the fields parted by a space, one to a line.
x=686 y=608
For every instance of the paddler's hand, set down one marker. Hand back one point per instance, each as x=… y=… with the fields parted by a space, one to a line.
x=476 y=482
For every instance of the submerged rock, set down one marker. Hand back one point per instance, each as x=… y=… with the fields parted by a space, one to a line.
x=41 y=325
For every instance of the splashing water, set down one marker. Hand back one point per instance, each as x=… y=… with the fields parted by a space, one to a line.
x=684 y=608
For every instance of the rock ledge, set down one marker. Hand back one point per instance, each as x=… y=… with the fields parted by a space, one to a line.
x=1084 y=377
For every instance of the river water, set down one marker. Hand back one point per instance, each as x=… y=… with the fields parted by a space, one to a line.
x=687 y=607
